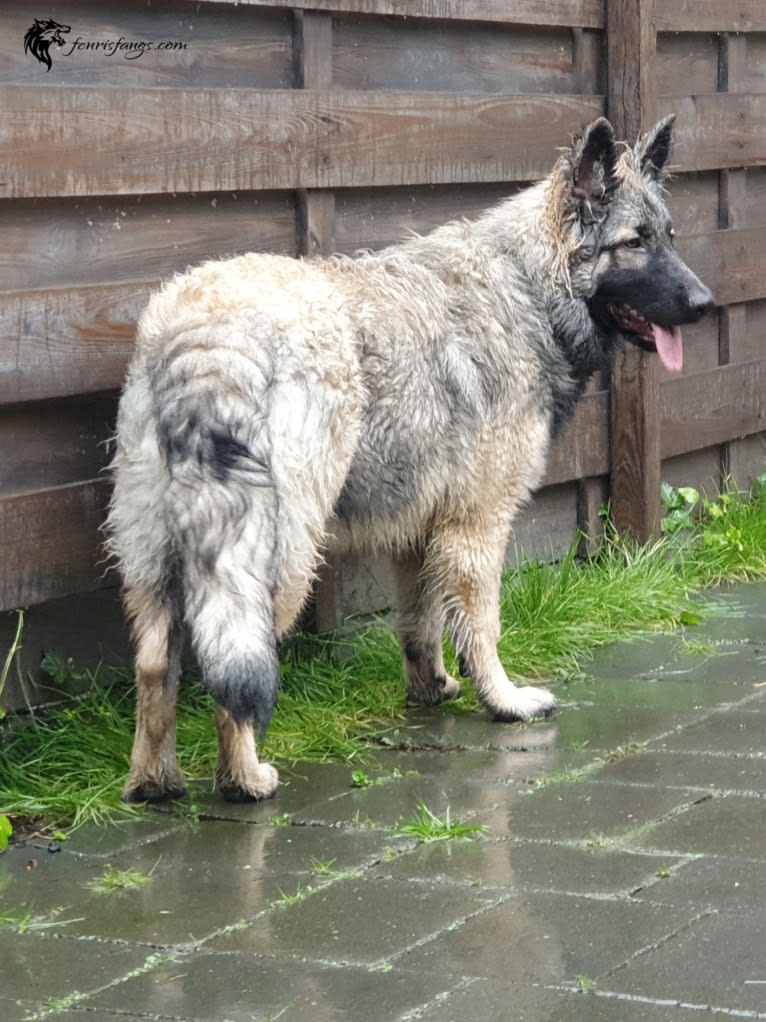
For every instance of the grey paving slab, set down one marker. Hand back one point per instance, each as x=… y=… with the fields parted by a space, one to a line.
x=510 y=865
x=546 y=938
x=199 y=880
x=706 y=771
x=719 y=962
x=728 y=885
x=103 y=841
x=36 y=967
x=586 y=810
x=248 y=988
x=358 y=920
x=728 y=825
x=740 y=730
x=493 y=1000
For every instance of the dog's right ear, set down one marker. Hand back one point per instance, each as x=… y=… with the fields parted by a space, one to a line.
x=593 y=159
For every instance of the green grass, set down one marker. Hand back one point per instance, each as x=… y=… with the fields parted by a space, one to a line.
x=427 y=826
x=67 y=763
x=116 y=881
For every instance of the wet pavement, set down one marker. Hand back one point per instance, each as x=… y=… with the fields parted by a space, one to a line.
x=621 y=875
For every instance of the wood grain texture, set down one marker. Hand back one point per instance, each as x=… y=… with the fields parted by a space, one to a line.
x=92 y=142
x=717 y=130
x=586 y=13
x=634 y=390
x=50 y=544
x=705 y=409
x=711 y=16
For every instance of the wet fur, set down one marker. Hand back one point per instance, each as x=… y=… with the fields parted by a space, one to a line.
x=402 y=400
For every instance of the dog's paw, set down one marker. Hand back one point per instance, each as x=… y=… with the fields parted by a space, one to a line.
x=260 y=783
x=433 y=691
x=525 y=704
x=151 y=789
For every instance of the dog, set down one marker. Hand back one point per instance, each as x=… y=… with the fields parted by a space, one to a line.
x=401 y=400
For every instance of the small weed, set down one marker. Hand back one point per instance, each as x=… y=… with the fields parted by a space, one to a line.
x=359 y=779
x=663 y=872
x=114 y=881
x=62 y=1003
x=300 y=894
x=323 y=868
x=281 y=820
x=22 y=920
x=381 y=967
x=693 y=647
x=585 y=983
x=427 y=826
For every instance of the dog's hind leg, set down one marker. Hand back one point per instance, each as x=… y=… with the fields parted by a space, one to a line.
x=240 y=776
x=464 y=564
x=421 y=627
x=154 y=771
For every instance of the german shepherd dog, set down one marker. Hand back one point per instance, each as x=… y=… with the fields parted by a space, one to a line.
x=403 y=401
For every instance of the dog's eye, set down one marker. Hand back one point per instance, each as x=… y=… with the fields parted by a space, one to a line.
x=633 y=243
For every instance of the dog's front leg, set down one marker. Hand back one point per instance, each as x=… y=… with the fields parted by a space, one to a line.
x=465 y=564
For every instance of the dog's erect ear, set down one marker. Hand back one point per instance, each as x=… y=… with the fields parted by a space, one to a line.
x=594 y=157
x=653 y=149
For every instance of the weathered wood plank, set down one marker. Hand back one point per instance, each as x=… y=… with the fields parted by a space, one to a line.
x=90 y=142
x=458 y=56
x=705 y=409
x=634 y=390
x=711 y=16
x=53 y=443
x=585 y=13
x=57 y=243
x=583 y=450
x=731 y=262
x=717 y=130
x=58 y=343
x=50 y=544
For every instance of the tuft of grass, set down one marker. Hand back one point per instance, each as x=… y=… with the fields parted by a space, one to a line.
x=67 y=762
x=427 y=826
x=116 y=881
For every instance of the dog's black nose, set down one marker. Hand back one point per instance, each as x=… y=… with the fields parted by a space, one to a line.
x=701 y=301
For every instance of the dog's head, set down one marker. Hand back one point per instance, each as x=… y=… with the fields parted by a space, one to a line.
x=620 y=241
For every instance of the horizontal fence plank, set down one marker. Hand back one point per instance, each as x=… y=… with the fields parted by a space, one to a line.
x=59 y=243
x=717 y=130
x=709 y=408
x=58 y=343
x=50 y=543
x=54 y=443
x=582 y=13
x=583 y=450
x=75 y=141
x=731 y=262
x=710 y=16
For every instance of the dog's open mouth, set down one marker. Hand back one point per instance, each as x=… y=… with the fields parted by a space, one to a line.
x=666 y=341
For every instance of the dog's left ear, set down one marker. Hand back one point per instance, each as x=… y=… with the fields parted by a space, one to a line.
x=594 y=157
x=653 y=150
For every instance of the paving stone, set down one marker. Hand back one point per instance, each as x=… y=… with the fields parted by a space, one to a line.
x=689 y=770
x=526 y=866
x=739 y=730
x=202 y=878
x=471 y=731
x=584 y=810
x=718 y=962
x=546 y=938
x=249 y=988
x=489 y=1000
x=105 y=841
x=727 y=825
x=34 y=968
x=359 y=920
x=728 y=885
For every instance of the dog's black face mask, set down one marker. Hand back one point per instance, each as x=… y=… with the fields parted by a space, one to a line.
x=646 y=292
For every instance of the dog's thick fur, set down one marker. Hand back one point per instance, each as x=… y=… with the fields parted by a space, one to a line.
x=402 y=400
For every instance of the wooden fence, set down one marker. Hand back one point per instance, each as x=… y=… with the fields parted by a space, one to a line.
x=256 y=125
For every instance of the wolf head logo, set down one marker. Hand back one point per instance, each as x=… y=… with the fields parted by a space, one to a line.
x=40 y=37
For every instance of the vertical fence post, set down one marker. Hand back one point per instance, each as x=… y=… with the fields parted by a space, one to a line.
x=634 y=398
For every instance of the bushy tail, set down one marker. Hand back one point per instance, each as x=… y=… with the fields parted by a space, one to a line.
x=222 y=509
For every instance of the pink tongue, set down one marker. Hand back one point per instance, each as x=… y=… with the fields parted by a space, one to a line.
x=669 y=346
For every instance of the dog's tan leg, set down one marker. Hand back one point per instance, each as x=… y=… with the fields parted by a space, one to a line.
x=421 y=627
x=154 y=771
x=240 y=776
x=465 y=566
